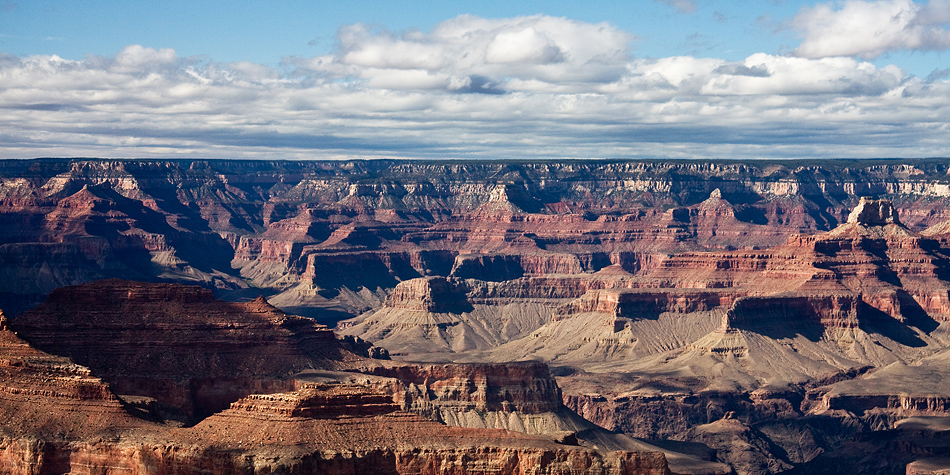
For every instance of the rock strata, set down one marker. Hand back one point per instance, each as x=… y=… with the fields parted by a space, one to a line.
x=59 y=418
x=373 y=224
x=43 y=395
x=179 y=344
x=764 y=310
x=871 y=212
x=527 y=388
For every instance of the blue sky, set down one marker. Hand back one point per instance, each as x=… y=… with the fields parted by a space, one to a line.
x=264 y=32
x=488 y=79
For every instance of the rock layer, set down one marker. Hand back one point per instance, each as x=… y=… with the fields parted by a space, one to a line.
x=178 y=343
x=746 y=304
x=284 y=224
x=58 y=418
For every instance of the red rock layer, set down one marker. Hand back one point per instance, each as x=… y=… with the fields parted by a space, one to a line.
x=397 y=442
x=547 y=287
x=830 y=311
x=318 y=401
x=643 y=303
x=437 y=294
x=177 y=343
x=528 y=388
x=42 y=394
x=430 y=294
x=870 y=264
x=101 y=233
x=325 y=429
x=56 y=418
x=335 y=225
x=362 y=268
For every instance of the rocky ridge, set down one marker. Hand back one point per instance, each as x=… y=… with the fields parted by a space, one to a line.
x=178 y=343
x=58 y=418
x=681 y=276
x=741 y=345
x=372 y=224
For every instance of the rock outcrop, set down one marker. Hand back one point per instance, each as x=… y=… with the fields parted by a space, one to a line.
x=449 y=391
x=871 y=212
x=310 y=229
x=744 y=306
x=178 y=343
x=430 y=294
x=43 y=396
x=59 y=418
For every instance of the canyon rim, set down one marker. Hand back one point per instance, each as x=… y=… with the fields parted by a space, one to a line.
x=406 y=316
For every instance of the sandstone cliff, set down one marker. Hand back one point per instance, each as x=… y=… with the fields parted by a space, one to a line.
x=178 y=343
x=870 y=279
x=372 y=224
x=745 y=306
x=59 y=418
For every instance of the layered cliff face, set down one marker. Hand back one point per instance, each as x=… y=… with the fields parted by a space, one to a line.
x=835 y=291
x=43 y=396
x=739 y=303
x=453 y=391
x=869 y=275
x=114 y=234
x=334 y=237
x=379 y=439
x=60 y=418
x=444 y=318
x=178 y=343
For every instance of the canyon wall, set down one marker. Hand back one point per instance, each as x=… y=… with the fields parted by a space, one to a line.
x=742 y=306
x=286 y=406
x=312 y=229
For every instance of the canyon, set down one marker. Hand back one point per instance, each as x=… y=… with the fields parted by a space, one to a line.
x=280 y=394
x=595 y=316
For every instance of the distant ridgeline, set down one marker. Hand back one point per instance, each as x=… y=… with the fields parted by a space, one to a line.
x=336 y=231
x=776 y=314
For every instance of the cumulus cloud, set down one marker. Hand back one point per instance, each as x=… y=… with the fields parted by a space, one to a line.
x=137 y=57
x=536 y=49
x=472 y=87
x=526 y=46
x=936 y=12
x=763 y=74
x=869 y=29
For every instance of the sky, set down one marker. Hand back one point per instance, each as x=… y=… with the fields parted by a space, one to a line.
x=677 y=79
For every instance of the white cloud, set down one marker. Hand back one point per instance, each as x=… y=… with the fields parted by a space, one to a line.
x=569 y=89
x=785 y=76
x=535 y=48
x=526 y=46
x=364 y=48
x=411 y=79
x=936 y=12
x=869 y=29
x=136 y=58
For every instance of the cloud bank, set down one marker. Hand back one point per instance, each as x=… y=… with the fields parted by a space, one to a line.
x=871 y=29
x=525 y=87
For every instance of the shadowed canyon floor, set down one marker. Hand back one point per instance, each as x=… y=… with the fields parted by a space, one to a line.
x=755 y=317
